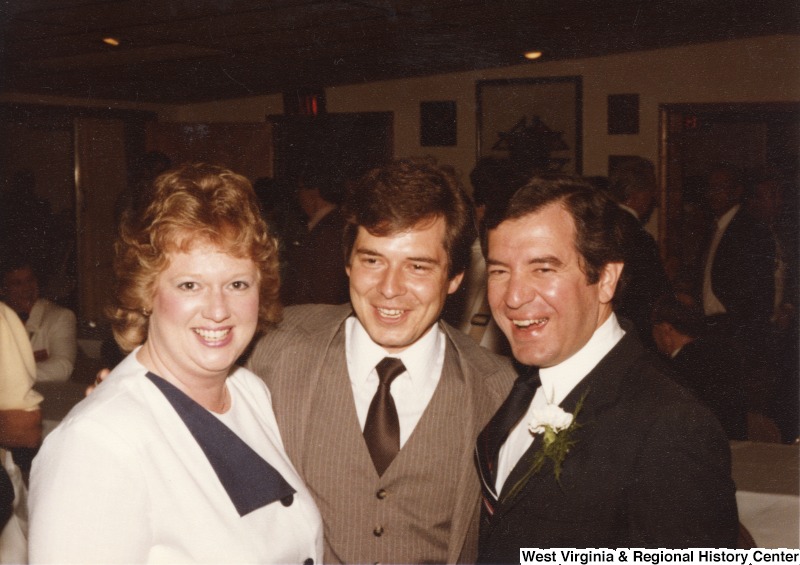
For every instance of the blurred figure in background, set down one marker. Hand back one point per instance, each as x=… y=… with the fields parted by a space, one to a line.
x=52 y=329
x=736 y=281
x=772 y=200
x=632 y=185
x=316 y=273
x=710 y=367
x=493 y=180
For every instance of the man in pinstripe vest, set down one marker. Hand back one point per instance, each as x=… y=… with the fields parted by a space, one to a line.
x=407 y=243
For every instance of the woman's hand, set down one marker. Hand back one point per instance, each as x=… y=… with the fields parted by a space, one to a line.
x=101 y=376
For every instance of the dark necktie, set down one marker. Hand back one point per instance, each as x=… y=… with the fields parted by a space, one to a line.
x=382 y=428
x=496 y=431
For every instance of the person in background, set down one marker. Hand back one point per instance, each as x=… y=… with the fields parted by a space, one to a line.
x=316 y=271
x=595 y=446
x=20 y=429
x=410 y=494
x=177 y=456
x=632 y=185
x=52 y=328
x=493 y=182
x=736 y=281
x=710 y=367
x=770 y=201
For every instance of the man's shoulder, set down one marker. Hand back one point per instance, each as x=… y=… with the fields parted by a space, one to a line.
x=645 y=378
x=51 y=309
x=301 y=327
x=312 y=317
x=46 y=313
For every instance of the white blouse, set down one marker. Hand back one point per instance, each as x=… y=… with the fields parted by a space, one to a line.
x=122 y=480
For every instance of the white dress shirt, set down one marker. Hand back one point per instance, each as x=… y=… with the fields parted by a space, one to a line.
x=412 y=390
x=711 y=304
x=557 y=382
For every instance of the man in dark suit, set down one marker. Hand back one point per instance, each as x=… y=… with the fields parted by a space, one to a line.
x=595 y=446
x=633 y=186
x=738 y=276
x=315 y=271
x=709 y=366
x=737 y=281
x=408 y=236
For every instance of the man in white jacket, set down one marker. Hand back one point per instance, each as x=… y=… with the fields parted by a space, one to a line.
x=50 y=327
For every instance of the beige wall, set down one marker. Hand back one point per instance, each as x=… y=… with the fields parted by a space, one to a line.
x=765 y=69
x=253 y=109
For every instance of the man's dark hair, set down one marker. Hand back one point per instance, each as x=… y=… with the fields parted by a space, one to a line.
x=598 y=236
x=325 y=179
x=405 y=192
x=13 y=262
x=634 y=174
x=490 y=176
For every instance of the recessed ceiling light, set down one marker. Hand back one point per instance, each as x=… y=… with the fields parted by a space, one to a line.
x=533 y=55
x=113 y=41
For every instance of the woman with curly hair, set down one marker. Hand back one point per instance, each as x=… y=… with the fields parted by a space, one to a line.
x=177 y=456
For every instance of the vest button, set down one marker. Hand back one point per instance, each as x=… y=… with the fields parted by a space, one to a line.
x=308 y=561
x=287 y=500
x=381 y=494
x=378 y=532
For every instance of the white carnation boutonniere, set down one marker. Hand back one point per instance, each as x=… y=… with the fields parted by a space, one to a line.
x=556 y=428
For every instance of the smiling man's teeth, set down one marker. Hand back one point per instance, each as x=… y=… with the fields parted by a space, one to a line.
x=212 y=335
x=389 y=313
x=528 y=323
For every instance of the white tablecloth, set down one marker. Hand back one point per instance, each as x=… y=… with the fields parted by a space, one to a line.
x=767 y=477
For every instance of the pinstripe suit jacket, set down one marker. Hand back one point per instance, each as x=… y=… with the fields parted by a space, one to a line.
x=425 y=506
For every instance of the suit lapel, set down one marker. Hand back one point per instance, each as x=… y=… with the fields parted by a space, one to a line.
x=475 y=411
x=464 y=507
x=333 y=389
x=300 y=389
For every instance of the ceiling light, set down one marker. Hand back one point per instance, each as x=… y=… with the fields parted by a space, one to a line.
x=533 y=55
x=113 y=41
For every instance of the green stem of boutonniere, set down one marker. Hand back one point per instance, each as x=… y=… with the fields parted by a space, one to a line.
x=554 y=446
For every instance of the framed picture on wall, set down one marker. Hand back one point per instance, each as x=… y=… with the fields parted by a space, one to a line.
x=535 y=122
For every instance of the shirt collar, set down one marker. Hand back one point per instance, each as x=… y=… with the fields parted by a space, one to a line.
x=363 y=353
x=630 y=210
x=726 y=218
x=319 y=214
x=559 y=380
